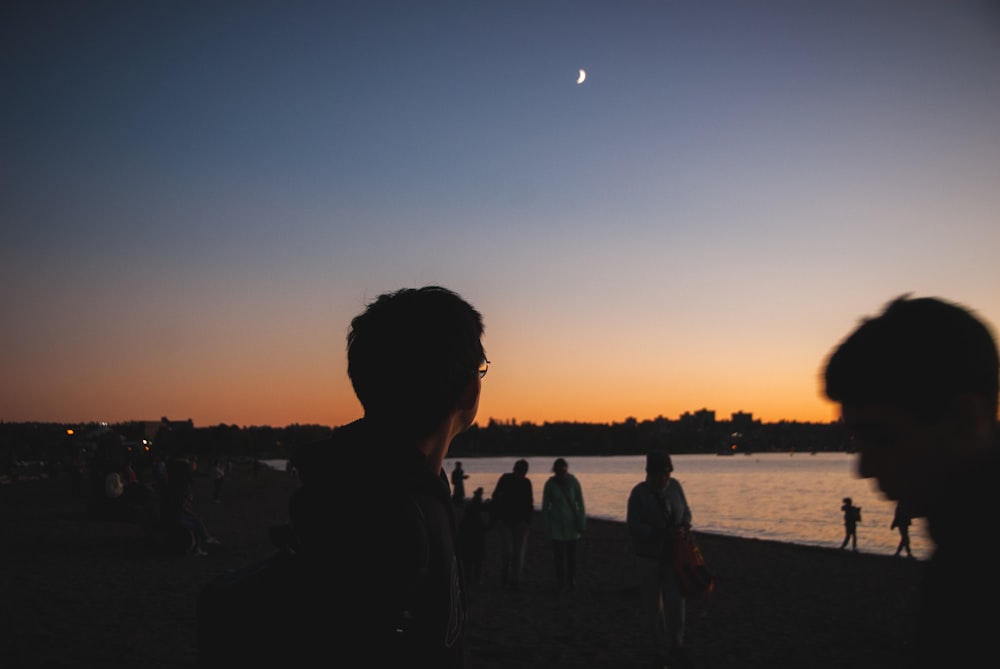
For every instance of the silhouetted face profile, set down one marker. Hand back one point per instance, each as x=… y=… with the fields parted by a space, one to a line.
x=904 y=455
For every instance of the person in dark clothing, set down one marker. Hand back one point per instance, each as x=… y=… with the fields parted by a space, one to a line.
x=901 y=521
x=657 y=507
x=472 y=531
x=852 y=516
x=918 y=391
x=389 y=564
x=177 y=511
x=218 y=476
x=513 y=502
x=458 y=477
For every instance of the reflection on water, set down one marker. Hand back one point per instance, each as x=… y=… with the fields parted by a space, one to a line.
x=782 y=497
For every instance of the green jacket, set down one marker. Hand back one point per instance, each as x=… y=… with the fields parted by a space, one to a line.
x=562 y=509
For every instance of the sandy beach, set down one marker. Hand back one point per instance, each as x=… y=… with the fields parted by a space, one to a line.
x=83 y=592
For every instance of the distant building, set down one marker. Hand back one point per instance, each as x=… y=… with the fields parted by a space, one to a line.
x=702 y=419
x=741 y=420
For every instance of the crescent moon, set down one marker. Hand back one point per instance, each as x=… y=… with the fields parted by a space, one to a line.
x=582 y=77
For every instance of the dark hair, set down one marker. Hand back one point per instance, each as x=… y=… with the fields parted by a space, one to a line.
x=658 y=462
x=521 y=466
x=560 y=462
x=919 y=355
x=410 y=355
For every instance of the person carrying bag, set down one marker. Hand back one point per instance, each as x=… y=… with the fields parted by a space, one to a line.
x=657 y=519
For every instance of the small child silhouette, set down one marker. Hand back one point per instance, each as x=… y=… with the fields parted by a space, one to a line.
x=852 y=516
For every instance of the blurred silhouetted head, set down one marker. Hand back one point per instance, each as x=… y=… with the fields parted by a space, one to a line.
x=560 y=465
x=919 y=355
x=411 y=354
x=521 y=466
x=917 y=387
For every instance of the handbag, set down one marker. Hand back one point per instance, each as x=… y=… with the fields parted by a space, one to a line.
x=694 y=578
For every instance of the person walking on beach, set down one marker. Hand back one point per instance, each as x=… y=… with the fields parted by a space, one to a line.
x=917 y=387
x=901 y=521
x=218 y=476
x=390 y=563
x=513 y=503
x=458 y=477
x=852 y=516
x=565 y=519
x=656 y=506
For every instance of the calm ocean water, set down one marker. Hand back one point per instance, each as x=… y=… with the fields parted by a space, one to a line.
x=781 y=497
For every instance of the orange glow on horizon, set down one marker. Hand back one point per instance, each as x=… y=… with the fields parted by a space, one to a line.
x=335 y=404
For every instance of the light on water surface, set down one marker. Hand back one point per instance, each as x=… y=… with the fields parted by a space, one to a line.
x=776 y=496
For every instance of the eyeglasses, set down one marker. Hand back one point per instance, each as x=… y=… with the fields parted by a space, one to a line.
x=484 y=367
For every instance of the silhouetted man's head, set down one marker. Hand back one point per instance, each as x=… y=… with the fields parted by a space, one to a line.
x=411 y=354
x=918 y=392
x=919 y=354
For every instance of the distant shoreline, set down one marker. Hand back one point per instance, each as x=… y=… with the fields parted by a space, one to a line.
x=692 y=433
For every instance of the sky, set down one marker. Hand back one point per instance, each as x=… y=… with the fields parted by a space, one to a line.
x=197 y=197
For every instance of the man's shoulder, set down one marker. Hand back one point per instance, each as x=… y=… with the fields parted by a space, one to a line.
x=349 y=449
